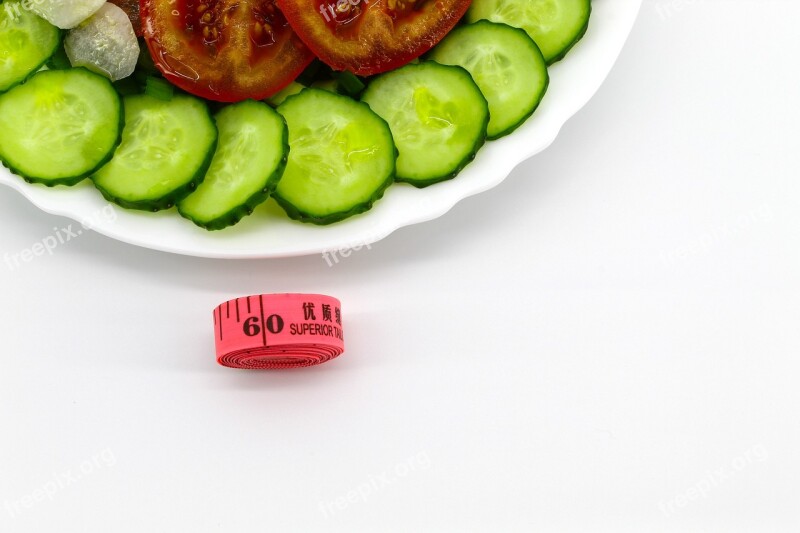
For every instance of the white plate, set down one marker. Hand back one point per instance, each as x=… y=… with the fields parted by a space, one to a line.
x=269 y=233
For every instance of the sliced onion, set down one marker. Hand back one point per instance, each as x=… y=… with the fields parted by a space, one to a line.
x=105 y=43
x=66 y=14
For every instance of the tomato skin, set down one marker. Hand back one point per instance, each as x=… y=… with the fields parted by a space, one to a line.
x=223 y=50
x=382 y=35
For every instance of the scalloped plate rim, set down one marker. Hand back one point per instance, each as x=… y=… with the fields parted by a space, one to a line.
x=574 y=81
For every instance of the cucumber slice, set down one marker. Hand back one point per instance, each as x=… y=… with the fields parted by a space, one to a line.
x=438 y=118
x=250 y=159
x=26 y=43
x=507 y=66
x=60 y=126
x=290 y=90
x=165 y=151
x=341 y=157
x=555 y=25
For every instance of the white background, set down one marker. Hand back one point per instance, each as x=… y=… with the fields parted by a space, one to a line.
x=608 y=341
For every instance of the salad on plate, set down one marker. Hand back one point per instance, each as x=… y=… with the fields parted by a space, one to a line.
x=213 y=106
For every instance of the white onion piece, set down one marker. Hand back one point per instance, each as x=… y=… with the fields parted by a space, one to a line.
x=65 y=14
x=106 y=43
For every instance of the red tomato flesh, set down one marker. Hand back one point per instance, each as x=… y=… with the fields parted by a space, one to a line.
x=371 y=36
x=223 y=50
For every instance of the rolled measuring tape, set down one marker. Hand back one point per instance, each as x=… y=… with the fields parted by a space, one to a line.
x=277 y=331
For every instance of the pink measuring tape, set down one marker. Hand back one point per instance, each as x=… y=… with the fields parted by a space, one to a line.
x=275 y=331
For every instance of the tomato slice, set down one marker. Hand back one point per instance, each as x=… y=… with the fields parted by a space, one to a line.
x=371 y=36
x=224 y=50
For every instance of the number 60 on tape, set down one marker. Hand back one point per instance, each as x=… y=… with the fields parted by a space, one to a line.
x=277 y=331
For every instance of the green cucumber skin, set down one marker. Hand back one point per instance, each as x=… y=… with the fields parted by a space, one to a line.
x=167 y=201
x=74 y=180
x=516 y=126
x=421 y=184
x=296 y=214
x=479 y=142
x=578 y=37
x=58 y=43
x=469 y=158
x=235 y=215
x=561 y=55
x=525 y=118
x=61 y=34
